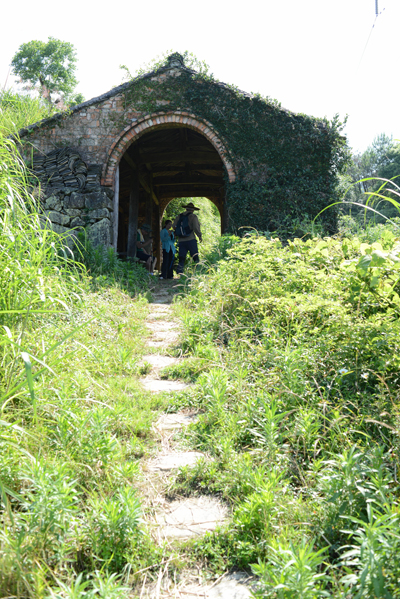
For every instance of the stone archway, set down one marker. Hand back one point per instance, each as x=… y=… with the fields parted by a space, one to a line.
x=160 y=158
x=131 y=133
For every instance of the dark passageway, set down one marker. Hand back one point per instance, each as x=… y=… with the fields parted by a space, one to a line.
x=164 y=164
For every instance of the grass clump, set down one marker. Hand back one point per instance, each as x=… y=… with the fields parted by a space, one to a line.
x=73 y=418
x=300 y=416
x=18 y=111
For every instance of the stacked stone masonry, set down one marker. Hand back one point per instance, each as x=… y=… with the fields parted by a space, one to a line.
x=97 y=136
x=94 y=132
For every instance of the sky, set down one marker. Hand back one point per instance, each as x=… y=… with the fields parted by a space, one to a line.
x=318 y=57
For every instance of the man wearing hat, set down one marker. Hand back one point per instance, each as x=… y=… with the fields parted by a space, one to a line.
x=144 y=245
x=186 y=227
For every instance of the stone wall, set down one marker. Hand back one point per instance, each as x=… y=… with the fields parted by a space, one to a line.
x=90 y=129
x=72 y=198
x=93 y=211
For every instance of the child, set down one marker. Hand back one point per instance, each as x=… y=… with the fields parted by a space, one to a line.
x=168 y=248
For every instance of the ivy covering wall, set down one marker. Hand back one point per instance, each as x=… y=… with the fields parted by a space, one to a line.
x=286 y=164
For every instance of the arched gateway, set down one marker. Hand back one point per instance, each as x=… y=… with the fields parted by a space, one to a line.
x=116 y=161
x=163 y=156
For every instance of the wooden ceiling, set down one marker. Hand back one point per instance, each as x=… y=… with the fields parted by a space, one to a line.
x=173 y=162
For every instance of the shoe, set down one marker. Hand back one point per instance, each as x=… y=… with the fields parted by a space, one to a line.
x=161 y=278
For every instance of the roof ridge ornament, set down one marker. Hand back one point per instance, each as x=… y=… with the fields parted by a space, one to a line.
x=175 y=61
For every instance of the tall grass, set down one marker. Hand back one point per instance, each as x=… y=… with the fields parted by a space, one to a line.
x=17 y=111
x=304 y=353
x=72 y=417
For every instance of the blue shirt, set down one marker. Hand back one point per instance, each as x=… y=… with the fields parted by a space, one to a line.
x=167 y=241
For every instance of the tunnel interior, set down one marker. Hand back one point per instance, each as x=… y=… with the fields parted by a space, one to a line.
x=163 y=164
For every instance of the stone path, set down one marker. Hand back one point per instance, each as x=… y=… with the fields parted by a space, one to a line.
x=174 y=521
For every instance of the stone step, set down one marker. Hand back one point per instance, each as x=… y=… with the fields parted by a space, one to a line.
x=232 y=586
x=157 y=326
x=191 y=517
x=170 y=422
x=170 y=461
x=159 y=385
x=158 y=361
x=235 y=585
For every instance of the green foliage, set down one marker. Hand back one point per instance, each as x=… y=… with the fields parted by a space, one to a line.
x=99 y=585
x=18 y=111
x=369 y=163
x=105 y=268
x=188 y=59
x=367 y=171
x=73 y=419
x=293 y=571
x=113 y=528
x=50 y=65
x=300 y=416
x=286 y=164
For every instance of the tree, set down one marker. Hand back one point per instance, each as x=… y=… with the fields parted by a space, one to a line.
x=380 y=160
x=50 y=65
x=369 y=163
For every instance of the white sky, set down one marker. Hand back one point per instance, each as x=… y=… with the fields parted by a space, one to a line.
x=306 y=54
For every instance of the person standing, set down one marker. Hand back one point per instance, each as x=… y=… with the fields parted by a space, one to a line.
x=168 y=248
x=144 y=247
x=187 y=227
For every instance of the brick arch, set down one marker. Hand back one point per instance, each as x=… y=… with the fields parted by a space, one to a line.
x=132 y=132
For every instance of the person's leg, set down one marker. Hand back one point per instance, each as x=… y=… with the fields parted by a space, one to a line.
x=170 y=273
x=183 y=250
x=194 y=250
x=164 y=267
x=143 y=257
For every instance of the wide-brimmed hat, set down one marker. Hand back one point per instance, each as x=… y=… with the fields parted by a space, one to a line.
x=191 y=205
x=146 y=227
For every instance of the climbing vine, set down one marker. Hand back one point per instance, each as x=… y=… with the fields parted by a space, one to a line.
x=286 y=164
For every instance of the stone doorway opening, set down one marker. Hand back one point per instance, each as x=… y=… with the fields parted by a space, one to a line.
x=164 y=163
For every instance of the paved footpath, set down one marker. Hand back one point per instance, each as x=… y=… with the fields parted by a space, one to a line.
x=181 y=519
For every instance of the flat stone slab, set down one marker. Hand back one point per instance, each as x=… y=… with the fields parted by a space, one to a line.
x=160 y=385
x=171 y=461
x=159 y=310
x=159 y=326
x=158 y=361
x=164 y=299
x=191 y=517
x=166 y=337
x=232 y=586
x=171 y=422
x=156 y=343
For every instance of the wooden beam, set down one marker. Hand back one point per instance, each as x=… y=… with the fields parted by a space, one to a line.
x=179 y=169
x=116 y=209
x=133 y=215
x=167 y=181
x=188 y=192
x=149 y=205
x=188 y=156
x=142 y=180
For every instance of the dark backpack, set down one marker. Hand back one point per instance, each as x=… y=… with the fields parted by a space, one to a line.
x=182 y=228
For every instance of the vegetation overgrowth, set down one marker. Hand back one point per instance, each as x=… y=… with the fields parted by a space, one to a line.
x=73 y=418
x=17 y=111
x=295 y=351
x=299 y=410
x=286 y=164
